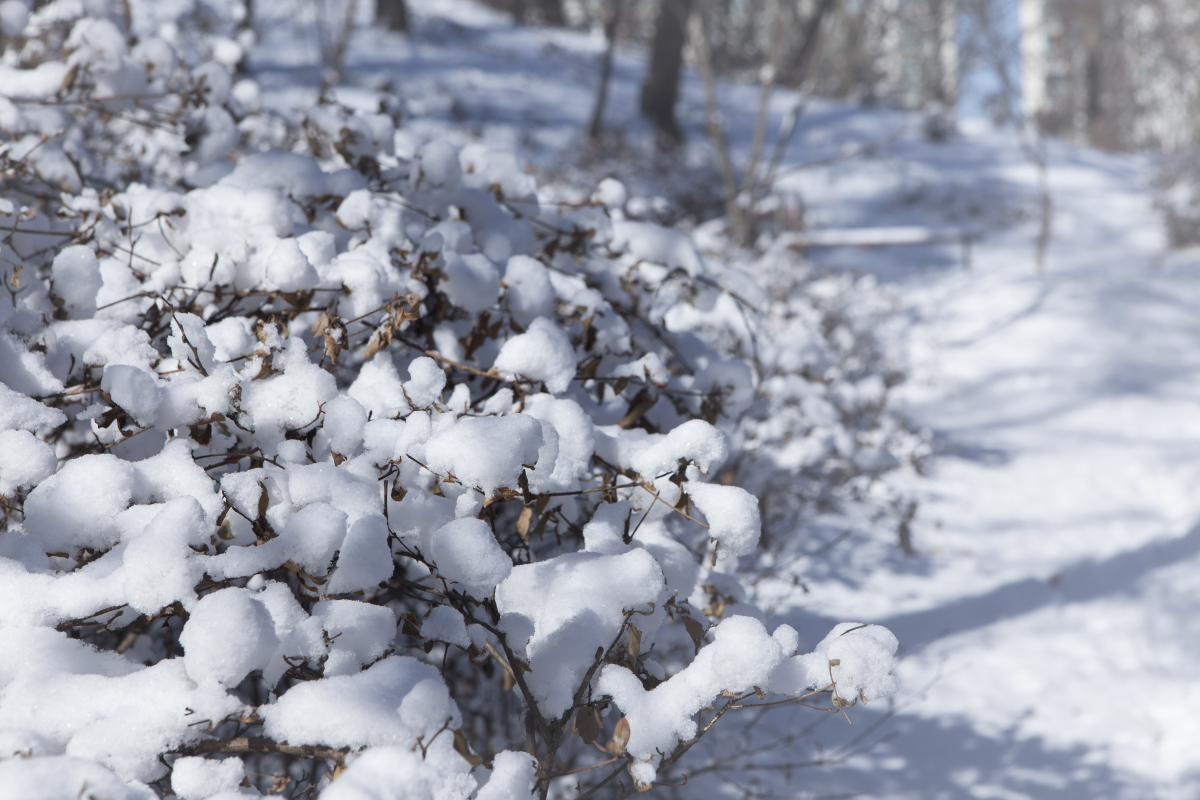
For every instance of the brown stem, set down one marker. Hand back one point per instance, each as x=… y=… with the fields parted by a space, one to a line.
x=261 y=744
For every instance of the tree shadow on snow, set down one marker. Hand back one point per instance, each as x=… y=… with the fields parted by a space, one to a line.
x=793 y=752
x=1082 y=582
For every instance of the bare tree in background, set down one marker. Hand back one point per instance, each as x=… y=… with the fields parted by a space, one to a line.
x=661 y=87
x=392 y=14
x=611 y=23
x=1117 y=74
x=740 y=200
x=796 y=68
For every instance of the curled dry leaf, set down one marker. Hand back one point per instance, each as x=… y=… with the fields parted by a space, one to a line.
x=523 y=523
x=463 y=748
x=635 y=644
x=620 y=738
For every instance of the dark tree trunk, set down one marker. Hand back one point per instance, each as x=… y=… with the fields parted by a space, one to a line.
x=392 y=14
x=798 y=69
x=661 y=87
x=610 y=33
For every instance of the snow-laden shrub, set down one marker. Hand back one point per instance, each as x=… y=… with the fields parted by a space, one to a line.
x=339 y=470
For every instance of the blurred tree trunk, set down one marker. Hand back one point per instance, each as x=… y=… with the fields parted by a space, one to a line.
x=392 y=14
x=798 y=68
x=610 y=34
x=661 y=87
x=551 y=11
x=548 y=12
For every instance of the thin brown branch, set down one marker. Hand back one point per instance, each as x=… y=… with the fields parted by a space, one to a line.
x=262 y=745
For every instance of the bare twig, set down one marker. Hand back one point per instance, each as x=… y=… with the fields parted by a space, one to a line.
x=262 y=745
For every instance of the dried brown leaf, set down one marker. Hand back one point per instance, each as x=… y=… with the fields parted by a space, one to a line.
x=588 y=724
x=694 y=630
x=463 y=748
x=264 y=501
x=635 y=644
x=523 y=523
x=620 y=738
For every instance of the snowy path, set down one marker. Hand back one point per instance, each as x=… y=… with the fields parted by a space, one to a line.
x=1060 y=528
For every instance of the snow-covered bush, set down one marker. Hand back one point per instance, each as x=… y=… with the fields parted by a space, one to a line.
x=323 y=468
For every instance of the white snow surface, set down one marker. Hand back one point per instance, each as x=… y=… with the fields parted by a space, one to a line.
x=1055 y=534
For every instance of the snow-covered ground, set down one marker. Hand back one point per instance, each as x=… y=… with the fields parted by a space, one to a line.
x=1050 y=625
x=1049 y=617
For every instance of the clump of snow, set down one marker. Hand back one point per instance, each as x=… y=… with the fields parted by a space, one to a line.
x=364 y=560
x=612 y=193
x=25 y=461
x=19 y=412
x=858 y=658
x=355 y=711
x=650 y=455
x=436 y=167
x=427 y=708
x=359 y=633
x=65 y=776
x=559 y=611
x=134 y=390
x=732 y=514
x=345 y=420
x=194 y=778
x=290 y=401
x=425 y=383
x=378 y=389
x=399 y=772
x=444 y=624
x=467 y=554
x=529 y=293
x=228 y=634
x=158 y=567
x=576 y=436
x=288 y=269
x=741 y=657
x=512 y=777
x=650 y=242
x=76 y=275
x=486 y=452
x=543 y=353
